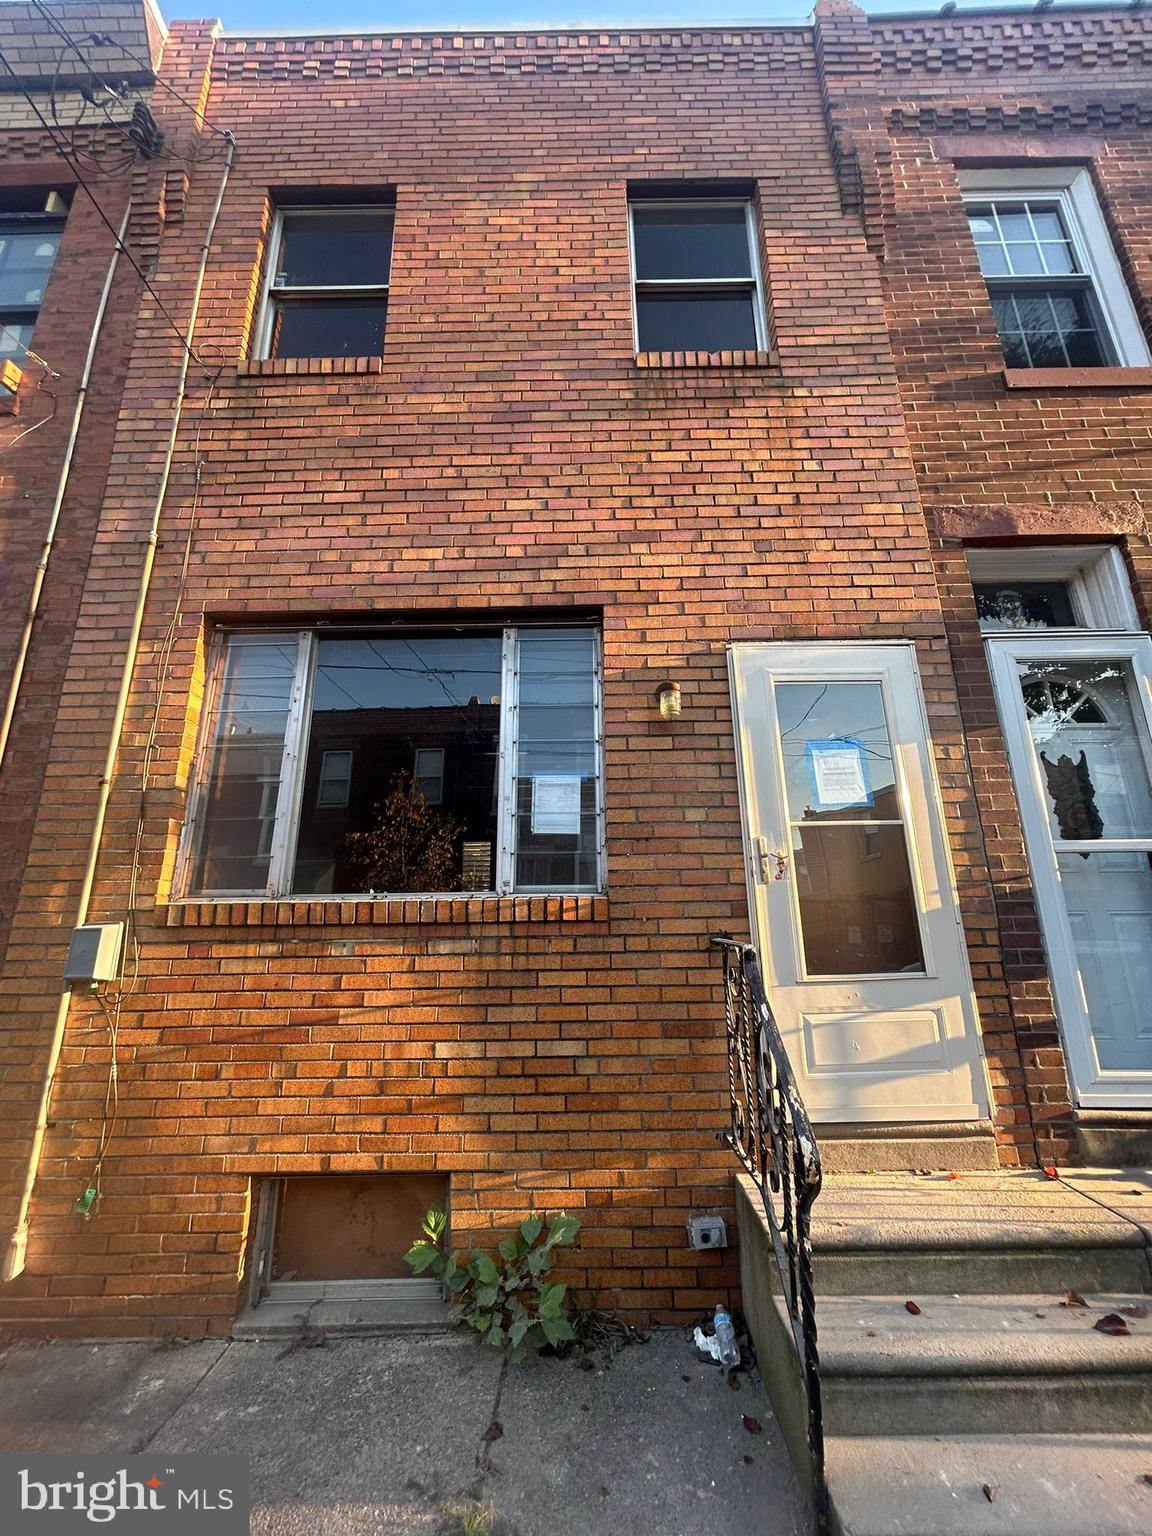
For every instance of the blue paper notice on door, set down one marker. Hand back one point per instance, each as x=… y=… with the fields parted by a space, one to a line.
x=838 y=774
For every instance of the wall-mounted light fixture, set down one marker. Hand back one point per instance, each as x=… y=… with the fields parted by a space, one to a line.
x=668 y=698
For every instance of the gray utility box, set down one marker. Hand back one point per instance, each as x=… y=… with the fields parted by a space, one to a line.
x=707 y=1232
x=94 y=953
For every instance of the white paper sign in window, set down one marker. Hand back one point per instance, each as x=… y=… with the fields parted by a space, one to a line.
x=556 y=804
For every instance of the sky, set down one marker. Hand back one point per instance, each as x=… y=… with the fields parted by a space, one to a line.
x=377 y=15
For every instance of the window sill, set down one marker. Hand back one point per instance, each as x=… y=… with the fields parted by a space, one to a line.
x=706 y=359
x=344 y=912
x=1078 y=378
x=295 y=367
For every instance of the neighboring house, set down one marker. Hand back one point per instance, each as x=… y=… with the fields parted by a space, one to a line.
x=804 y=367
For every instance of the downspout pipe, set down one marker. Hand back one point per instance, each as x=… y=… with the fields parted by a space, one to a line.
x=58 y=500
x=18 y=1243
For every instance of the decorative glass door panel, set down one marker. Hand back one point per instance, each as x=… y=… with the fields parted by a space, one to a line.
x=1077 y=715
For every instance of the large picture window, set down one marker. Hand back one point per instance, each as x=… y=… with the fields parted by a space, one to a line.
x=411 y=762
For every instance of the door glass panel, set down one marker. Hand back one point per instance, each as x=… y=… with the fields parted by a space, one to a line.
x=1091 y=752
x=1109 y=901
x=857 y=904
x=853 y=880
x=837 y=756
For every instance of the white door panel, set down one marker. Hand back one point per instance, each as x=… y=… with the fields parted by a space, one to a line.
x=1077 y=714
x=850 y=885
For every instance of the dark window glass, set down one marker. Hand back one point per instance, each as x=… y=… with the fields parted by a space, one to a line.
x=335 y=250
x=385 y=700
x=329 y=328
x=697 y=240
x=1043 y=329
x=857 y=905
x=696 y=322
x=1024 y=604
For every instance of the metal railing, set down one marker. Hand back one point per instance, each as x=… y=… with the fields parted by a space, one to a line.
x=772 y=1136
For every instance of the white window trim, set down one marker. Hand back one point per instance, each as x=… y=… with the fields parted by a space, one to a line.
x=1098 y=582
x=345 y=779
x=287 y=823
x=755 y=282
x=1071 y=185
x=439 y=774
x=268 y=289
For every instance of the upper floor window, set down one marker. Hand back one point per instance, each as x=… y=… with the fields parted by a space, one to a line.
x=697 y=280
x=327 y=282
x=1058 y=586
x=380 y=762
x=31 y=223
x=1057 y=291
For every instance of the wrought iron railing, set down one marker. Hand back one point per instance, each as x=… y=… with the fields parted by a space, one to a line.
x=772 y=1136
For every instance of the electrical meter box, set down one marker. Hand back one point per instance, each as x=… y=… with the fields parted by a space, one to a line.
x=707 y=1232
x=94 y=953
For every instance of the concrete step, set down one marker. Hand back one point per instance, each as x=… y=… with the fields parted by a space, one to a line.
x=976 y=1234
x=1044 y=1485
x=982 y=1364
x=307 y=1323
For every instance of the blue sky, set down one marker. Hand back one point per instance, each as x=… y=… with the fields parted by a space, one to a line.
x=290 y=15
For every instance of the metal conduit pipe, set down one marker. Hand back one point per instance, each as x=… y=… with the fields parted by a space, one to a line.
x=18 y=1244
x=58 y=500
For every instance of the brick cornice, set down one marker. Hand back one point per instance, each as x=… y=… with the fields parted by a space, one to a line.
x=463 y=53
x=1106 y=111
x=1095 y=40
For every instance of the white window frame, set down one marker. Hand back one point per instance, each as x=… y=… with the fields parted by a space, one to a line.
x=1071 y=186
x=269 y=290
x=287 y=823
x=1098 y=583
x=703 y=284
x=417 y=775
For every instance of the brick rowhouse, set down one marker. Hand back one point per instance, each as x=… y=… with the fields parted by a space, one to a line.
x=509 y=457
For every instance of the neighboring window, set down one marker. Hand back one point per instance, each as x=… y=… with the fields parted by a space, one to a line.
x=428 y=774
x=391 y=762
x=1062 y=586
x=327 y=285
x=697 y=282
x=335 y=780
x=1056 y=288
x=31 y=224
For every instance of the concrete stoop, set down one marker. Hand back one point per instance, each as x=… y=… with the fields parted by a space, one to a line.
x=988 y=1381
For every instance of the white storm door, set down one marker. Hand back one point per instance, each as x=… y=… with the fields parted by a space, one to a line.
x=850 y=885
x=1077 y=715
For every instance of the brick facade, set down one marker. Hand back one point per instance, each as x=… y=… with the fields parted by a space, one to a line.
x=508 y=457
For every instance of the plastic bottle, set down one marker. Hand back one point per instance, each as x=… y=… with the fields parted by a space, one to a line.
x=726 y=1338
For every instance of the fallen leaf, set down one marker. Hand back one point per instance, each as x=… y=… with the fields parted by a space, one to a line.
x=685 y=1378
x=753 y=1426
x=953 y=1175
x=1113 y=1324
x=733 y=1381
x=1073 y=1299
x=1139 y=1310
x=871 y=1334
x=990 y=1492
x=1051 y=1172
x=1040 y=1314
x=495 y=1431
x=910 y=1306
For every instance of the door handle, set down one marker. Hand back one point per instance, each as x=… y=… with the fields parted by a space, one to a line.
x=773 y=864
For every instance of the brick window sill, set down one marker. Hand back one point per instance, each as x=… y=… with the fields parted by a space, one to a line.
x=395 y=910
x=706 y=359
x=1078 y=378
x=306 y=367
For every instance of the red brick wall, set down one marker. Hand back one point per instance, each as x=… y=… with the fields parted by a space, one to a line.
x=509 y=454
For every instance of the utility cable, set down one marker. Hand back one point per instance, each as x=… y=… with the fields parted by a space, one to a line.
x=105 y=220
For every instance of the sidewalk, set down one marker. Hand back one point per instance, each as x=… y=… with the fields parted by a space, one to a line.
x=386 y=1436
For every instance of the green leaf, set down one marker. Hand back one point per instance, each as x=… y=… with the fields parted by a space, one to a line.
x=563 y=1229
x=551 y=1302
x=496 y=1336
x=455 y=1276
x=557 y=1330
x=486 y=1295
x=422 y=1256
x=531 y=1229
x=516 y=1352
x=510 y=1249
x=481 y=1267
x=481 y=1321
x=539 y=1261
x=434 y=1223
x=518 y=1329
